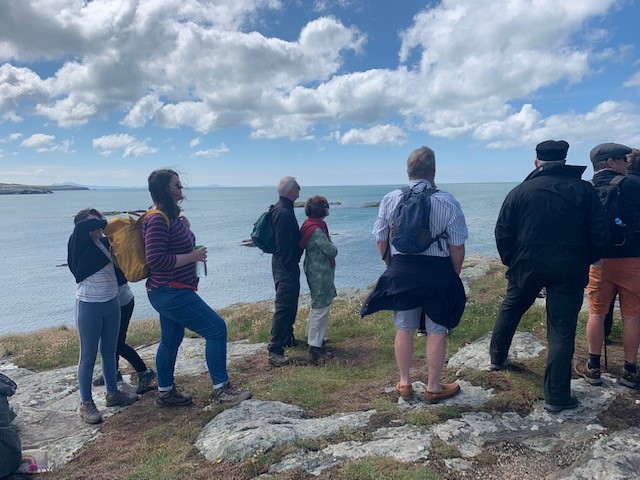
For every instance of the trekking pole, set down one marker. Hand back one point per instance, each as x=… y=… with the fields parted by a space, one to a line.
x=606 y=364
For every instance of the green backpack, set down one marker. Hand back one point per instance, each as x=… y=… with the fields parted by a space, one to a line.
x=262 y=234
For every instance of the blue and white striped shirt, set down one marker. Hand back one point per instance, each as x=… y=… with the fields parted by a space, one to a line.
x=446 y=215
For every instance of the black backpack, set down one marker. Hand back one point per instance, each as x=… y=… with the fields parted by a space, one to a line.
x=610 y=198
x=410 y=231
x=262 y=234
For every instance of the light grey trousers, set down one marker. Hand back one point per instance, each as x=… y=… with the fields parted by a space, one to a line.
x=317 y=326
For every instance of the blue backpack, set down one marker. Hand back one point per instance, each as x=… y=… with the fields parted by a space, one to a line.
x=410 y=231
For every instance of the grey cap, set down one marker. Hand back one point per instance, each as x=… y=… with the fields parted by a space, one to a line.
x=605 y=151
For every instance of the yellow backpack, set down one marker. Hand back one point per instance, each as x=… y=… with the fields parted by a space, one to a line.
x=127 y=243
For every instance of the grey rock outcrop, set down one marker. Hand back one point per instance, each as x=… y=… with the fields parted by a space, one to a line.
x=475 y=356
x=257 y=426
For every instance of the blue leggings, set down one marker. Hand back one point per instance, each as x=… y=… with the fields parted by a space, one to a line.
x=98 y=324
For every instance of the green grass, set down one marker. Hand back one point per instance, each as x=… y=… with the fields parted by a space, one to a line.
x=385 y=469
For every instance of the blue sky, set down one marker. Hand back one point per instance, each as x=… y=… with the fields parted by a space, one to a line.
x=334 y=92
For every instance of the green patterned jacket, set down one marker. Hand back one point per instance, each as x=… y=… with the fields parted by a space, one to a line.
x=318 y=269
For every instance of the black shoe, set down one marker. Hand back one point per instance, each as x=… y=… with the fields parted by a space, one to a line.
x=278 y=360
x=99 y=381
x=319 y=353
x=144 y=381
x=496 y=367
x=573 y=403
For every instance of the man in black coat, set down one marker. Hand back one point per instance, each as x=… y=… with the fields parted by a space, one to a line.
x=550 y=229
x=10 y=451
x=286 y=271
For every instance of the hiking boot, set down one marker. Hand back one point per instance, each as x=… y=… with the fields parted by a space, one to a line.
x=573 y=403
x=405 y=391
x=629 y=379
x=121 y=399
x=591 y=375
x=278 y=360
x=228 y=394
x=90 y=413
x=448 y=390
x=99 y=381
x=144 y=381
x=317 y=353
x=173 y=398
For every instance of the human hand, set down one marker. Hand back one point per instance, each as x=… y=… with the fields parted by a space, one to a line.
x=200 y=254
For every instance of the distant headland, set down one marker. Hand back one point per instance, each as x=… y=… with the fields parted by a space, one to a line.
x=19 y=189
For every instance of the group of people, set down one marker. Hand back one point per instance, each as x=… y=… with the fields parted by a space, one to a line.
x=554 y=231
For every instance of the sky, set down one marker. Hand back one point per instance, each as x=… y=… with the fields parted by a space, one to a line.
x=333 y=92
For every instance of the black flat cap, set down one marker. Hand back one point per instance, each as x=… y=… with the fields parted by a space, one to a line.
x=605 y=151
x=552 y=150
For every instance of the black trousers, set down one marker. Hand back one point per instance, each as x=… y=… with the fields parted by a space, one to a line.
x=563 y=305
x=124 y=350
x=10 y=452
x=287 y=283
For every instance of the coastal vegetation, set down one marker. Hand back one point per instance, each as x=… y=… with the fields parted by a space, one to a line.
x=146 y=442
x=19 y=189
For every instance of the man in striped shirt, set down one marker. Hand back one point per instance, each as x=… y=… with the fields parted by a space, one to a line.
x=427 y=282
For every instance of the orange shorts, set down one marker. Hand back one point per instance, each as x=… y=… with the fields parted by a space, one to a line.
x=615 y=275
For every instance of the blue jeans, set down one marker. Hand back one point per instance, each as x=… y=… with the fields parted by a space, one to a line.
x=180 y=309
x=98 y=325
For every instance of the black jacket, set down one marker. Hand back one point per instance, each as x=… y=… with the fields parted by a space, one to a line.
x=287 y=233
x=551 y=227
x=84 y=257
x=629 y=204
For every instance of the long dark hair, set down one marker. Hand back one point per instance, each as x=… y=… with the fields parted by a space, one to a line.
x=159 y=189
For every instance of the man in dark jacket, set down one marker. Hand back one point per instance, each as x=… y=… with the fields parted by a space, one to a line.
x=618 y=270
x=550 y=228
x=286 y=271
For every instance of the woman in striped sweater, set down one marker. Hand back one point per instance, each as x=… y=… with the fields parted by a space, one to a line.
x=171 y=287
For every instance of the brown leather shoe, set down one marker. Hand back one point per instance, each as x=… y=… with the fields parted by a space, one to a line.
x=405 y=391
x=448 y=390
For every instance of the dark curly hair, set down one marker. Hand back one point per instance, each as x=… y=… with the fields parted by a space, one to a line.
x=315 y=207
x=159 y=190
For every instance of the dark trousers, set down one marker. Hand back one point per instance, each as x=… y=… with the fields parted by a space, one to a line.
x=563 y=306
x=124 y=350
x=287 y=283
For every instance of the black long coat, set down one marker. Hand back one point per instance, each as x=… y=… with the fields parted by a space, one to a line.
x=551 y=228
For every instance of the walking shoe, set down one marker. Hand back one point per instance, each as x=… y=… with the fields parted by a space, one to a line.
x=405 y=391
x=496 y=367
x=99 y=381
x=317 y=353
x=278 y=360
x=144 y=381
x=421 y=333
x=228 y=394
x=121 y=399
x=90 y=413
x=173 y=398
x=573 y=403
x=591 y=375
x=448 y=390
x=629 y=379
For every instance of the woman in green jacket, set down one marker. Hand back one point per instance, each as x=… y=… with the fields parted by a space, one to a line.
x=319 y=267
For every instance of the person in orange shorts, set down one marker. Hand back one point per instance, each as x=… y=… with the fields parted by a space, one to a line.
x=618 y=272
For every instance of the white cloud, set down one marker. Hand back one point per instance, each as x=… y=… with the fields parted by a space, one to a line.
x=143 y=111
x=130 y=146
x=377 y=135
x=213 y=152
x=11 y=137
x=38 y=140
x=194 y=142
x=18 y=84
x=634 y=81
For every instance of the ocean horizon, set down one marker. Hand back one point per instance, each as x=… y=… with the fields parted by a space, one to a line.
x=40 y=290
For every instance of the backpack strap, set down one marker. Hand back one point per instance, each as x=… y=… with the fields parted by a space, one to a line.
x=615 y=181
x=155 y=211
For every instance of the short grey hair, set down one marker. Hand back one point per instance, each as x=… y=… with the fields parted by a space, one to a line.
x=421 y=164
x=285 y=185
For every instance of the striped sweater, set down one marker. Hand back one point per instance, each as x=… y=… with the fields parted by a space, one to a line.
x=162 y=244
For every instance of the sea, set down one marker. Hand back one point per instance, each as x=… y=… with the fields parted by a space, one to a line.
x=38 y=290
